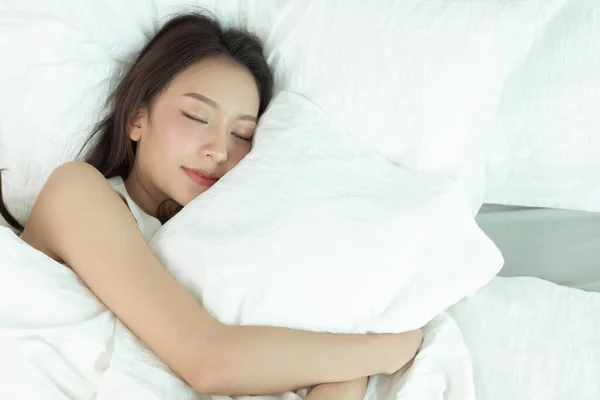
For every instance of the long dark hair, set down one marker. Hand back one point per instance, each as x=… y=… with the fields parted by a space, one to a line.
x=181 y=42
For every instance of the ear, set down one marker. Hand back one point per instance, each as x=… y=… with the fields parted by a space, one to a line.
x=137 y=124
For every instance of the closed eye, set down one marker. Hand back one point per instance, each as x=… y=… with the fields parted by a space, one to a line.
x=193 y=118
x=247 y=139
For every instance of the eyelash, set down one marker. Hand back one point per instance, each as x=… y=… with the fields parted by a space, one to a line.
x=245 y=139
x=203 y=122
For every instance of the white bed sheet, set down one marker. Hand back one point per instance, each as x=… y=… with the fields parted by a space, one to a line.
x=561 y=246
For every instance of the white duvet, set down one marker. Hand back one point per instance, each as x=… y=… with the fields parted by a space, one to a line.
x=57 y=341
x=516 y=338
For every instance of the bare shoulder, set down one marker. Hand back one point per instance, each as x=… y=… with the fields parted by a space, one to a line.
x=71 y=184
x=73 y=189
x=74 y=177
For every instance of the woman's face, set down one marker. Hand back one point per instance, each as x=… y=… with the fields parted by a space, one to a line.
x=197 y=130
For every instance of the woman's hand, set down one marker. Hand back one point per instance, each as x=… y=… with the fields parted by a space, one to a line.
x=402 y=348
x=350 y=390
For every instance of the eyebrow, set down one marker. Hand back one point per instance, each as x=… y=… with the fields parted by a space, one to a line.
x=214 y=104
x=203 y=99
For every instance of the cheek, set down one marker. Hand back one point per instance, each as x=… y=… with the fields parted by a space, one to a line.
x=237 y=154
x=171 y=135
x=162 y=147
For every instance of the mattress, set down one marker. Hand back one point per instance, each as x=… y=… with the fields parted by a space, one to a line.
x=561 y=246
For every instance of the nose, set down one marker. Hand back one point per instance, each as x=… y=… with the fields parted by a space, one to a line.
x=215 y=145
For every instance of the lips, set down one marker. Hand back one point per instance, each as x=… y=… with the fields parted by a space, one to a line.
x=202 y=172
x=201 y=177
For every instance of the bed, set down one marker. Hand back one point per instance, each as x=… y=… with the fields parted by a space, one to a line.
x=514 y=338
x=529 y=333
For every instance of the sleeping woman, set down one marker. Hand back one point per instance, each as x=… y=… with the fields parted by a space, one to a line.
x=182 y=116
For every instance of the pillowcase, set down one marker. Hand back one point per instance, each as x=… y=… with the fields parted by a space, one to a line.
x=415 y=81
x=311 y=231
x=62 y=55
x=544 y=150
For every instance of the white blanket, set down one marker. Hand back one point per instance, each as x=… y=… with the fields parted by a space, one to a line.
x=55 y=336
x=57 y=342
x=531 y=339
x=442 y=369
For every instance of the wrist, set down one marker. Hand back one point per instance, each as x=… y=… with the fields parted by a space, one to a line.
x=399 y=349
x=354 y=389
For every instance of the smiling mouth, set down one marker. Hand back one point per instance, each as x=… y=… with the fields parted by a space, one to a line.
x=200 y=179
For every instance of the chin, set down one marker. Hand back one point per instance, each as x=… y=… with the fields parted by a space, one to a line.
x=184 y=201
x=189 y=197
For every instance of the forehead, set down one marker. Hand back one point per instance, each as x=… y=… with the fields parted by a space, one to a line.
x=229 y=84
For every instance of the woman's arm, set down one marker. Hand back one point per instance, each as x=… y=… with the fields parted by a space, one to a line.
x=80 y=219
x=351 y=390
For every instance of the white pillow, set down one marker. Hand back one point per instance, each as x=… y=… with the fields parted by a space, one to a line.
x=59 y=58
x=544 y=150
x=311 y=231
x=416 y=81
